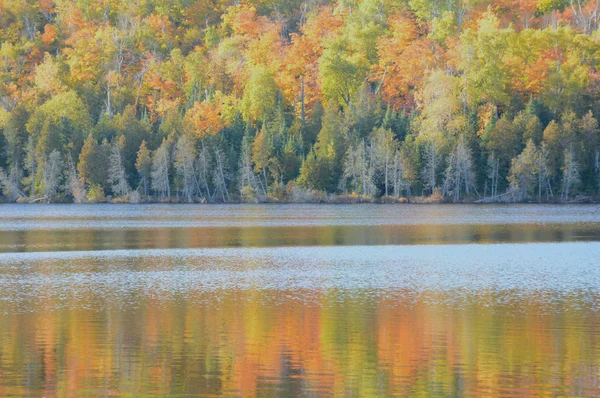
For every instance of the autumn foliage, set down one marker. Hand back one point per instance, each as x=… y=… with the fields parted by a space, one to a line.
x=313 y=80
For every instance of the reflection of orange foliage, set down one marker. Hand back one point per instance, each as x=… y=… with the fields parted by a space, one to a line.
x=204 y=118
x=246 y=342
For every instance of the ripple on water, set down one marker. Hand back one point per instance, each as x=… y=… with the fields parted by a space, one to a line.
x=449 y=274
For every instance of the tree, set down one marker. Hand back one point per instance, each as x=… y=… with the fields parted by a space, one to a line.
x=459 y=173
x=160 y=170
x=404 y=57
x=261 y=156
x=11 y=183
x=570 y=175
x=204 y=119
x=410 y=162
x=290 y=161
x=203 y=167
x=62 y=120
x=15 y=133
x=543 y=172
x=31 y=166
x=306 y=82
x=221 y=175
x=493 y=173
x=52 y=175
x=398 y=181
x=329 y=150
x=249 y=184
x=92 y=166
x=359 y=170
x=431 y=165
x=523 y=171
x=385 y=150
x=75 y=183
x=143 y=165
x=184 y=164
x=342 y=71
x=258 y=101
x=117 y=175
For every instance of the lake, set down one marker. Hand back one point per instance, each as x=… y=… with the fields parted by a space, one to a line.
x=299 y=300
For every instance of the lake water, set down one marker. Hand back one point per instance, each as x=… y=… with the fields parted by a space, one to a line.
x=309 y=300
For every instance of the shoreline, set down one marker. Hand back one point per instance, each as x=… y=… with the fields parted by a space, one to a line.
x=344 y=201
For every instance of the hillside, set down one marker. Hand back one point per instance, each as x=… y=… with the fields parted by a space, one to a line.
x=285 y=100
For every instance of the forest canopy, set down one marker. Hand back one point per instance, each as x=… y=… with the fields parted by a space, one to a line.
x=293 y=100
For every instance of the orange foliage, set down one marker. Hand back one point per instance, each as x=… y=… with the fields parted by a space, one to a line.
x=204 y=119
x=300 y=67
x=49 y=34
x=404 y=59
x=47 y=7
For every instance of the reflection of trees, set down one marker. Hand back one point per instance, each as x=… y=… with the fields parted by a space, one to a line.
x=247 y=342
x=260 y=236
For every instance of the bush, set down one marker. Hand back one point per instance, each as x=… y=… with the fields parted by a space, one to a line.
x=249 y=194
x=393 y=199
x=435 y=197
x=133 y=197
x=96 y=194
x=277 y=193
x=297 y=194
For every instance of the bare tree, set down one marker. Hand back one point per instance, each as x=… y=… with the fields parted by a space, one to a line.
x=459 y=172
x=52 y=174
x=432 y=159
x=570 y=174
x=184 y=163
x=543 y=172
x=350 y=173
x=117 y=176
x=30 y=165
x=203 y=166
x=359 y=170
x=220 y=175
x=247 y=178
x=11 y=183
x=493 y=164
x=385 y=148
x=75 y=184
x=160 y=171
x=398 y=182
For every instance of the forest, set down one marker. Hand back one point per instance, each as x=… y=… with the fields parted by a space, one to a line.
x=299 y=101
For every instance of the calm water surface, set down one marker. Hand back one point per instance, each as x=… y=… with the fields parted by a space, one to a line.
x=299 y=300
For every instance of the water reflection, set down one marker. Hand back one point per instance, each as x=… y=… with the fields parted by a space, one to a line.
x=124 y=238
x=61 y=217
x=299 y=300
x=244 y=343
x=452 y=320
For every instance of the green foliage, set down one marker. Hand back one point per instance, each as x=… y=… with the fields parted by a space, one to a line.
x=265 y=94
x=96 y=194
x=259 y=95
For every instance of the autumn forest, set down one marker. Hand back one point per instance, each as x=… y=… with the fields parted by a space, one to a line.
x=299 y=100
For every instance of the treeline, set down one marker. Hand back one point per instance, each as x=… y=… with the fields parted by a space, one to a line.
x=198 y=101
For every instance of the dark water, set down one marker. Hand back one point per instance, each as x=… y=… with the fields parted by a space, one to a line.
x=300 y=300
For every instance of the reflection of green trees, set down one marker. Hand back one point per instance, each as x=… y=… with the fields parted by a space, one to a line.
x=249 y=342
x=163 y=238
